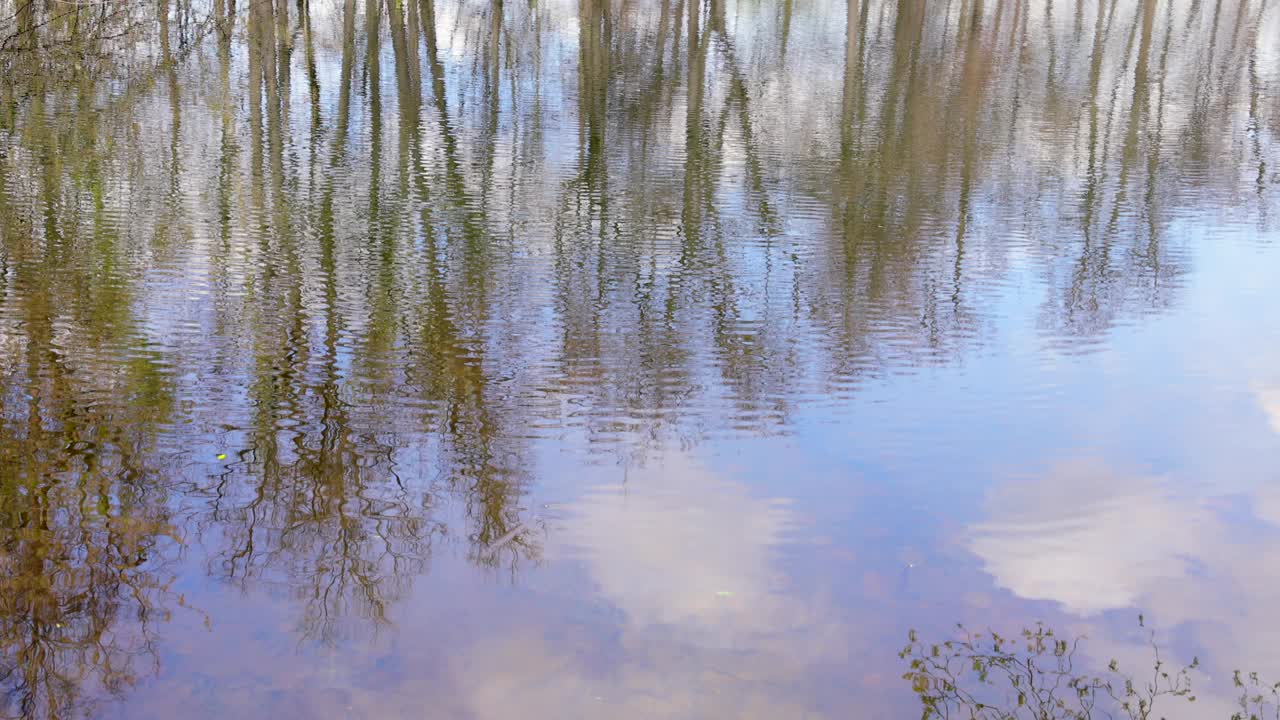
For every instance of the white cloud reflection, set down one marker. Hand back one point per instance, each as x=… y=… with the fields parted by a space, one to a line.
x=704 y=623
x=1269 y=400
x=676 y=545
x=1193 y=558
x=1086 y=536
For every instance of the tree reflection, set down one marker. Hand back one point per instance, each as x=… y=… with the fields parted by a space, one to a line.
x=429 y=238
x=85 y=527
x=82 y=586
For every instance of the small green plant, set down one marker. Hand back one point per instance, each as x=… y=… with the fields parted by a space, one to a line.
x=1034 y=676
x=1258 y=700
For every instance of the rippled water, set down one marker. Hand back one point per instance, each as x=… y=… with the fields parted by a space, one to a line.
x=462 y=359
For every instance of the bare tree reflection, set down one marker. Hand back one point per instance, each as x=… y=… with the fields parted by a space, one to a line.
x=430 y=238
x=85 y=528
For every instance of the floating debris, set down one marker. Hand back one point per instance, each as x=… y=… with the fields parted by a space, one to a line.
x=497 y=544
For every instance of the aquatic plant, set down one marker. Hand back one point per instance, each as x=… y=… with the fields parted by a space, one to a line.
x=1037 y=675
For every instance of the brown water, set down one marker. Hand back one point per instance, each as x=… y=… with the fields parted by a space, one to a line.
x=663 y=359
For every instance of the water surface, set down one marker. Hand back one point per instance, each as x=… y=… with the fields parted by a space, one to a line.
x=462 y=359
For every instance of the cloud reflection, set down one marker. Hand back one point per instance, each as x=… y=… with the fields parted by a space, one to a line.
x=694 y=616
x=1093 y=538
x=1269 y=400
x=1086 y=536
x=675 y=545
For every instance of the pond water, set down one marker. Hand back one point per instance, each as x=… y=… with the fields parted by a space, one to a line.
x=661 y=359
